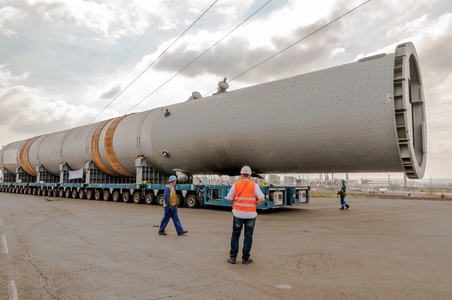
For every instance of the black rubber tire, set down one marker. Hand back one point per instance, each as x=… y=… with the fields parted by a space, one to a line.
x=116 y=196
x=81 y=194
x=191 y=201
x=126 y=197
x=180 y=200
x=136 y=197
x=89 y=194
x=97 y=195
x=106 y=195
x=67 y=193
x=160 y=199
x=149 y=198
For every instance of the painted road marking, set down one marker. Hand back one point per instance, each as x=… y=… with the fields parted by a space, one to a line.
x=13 y=291
x=4 y=246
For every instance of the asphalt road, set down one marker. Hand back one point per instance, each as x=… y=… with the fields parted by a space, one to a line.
x=58 y=248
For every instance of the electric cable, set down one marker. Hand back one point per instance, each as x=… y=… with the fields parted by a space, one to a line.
x=208 y=49
x=136 y=78
x=136 y=43
x=439 y=104
x=293 y=44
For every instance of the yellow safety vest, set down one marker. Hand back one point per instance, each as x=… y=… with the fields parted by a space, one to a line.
x=172 y=197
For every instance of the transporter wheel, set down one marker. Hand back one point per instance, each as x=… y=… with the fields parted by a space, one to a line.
x=38 y=192
x=192 y=202
x=54 y=192
x=21 y=190
x=49 y=192
x=116 y=196
x=81 y=194
x=126 y=197
x=161 y=199
x=106 y=195
x=61 y=193
x=180 y=200
x=67 y=193
x=89 y=194
x=35 y=190
x=74 y=193
x=149 y=198
x=97 y=194
x=137 y=197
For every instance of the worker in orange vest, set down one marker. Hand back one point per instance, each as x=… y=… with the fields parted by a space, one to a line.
x=243 y=195
x=170 y=207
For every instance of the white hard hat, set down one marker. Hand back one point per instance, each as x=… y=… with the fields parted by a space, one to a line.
x=245 y=170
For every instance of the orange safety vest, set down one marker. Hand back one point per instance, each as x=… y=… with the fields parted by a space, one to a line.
x=172 y=197
x=244 y=199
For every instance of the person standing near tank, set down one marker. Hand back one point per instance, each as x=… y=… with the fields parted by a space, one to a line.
x=343 y=193
x=245 y=196
x=170 y=207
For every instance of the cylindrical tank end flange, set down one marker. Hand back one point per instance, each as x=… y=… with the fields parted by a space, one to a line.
x=409 y=109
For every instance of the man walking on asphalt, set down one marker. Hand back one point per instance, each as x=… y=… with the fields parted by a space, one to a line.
x=243 y=195
x=343 y=193
x=170 y=206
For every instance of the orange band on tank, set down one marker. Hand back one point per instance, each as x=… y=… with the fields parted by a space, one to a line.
x=95 y=150
x=108 y=144
x=24 y=157
x=27 y=156
x=21 y=157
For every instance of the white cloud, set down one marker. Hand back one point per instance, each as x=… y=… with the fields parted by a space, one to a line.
x=27 y=111
x=7 y=14
x=56 y=52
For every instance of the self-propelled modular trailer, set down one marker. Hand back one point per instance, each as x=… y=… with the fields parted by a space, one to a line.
x=190 y=195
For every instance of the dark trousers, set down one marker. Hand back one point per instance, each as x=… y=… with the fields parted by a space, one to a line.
x=343 y=201
x=237 y=226
x=171 y=212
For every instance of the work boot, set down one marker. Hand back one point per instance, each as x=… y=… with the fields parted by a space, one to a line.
x=162 y=233
x=347 y=206
x=248 y=261
x=341 y=208
x=231 y=260
x=183 y=232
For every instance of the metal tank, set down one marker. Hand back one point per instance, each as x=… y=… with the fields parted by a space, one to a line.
x=366 y=116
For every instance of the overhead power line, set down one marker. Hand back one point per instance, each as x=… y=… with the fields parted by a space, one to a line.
x=208 y=49
x=444 y=103
x=137 y=42
x=437 y=86
x=136 y=78
x=443 y=112
x=293 y=44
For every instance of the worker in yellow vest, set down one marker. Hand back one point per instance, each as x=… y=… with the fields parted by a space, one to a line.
x=170 y=207
x=243 y=195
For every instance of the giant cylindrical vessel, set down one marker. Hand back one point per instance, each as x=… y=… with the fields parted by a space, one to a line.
x=366 y=116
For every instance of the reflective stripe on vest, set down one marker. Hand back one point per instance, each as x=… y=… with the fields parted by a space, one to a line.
x=172 y=197
x=244 y=199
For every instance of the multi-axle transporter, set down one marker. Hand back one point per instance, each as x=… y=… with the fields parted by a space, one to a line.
x=366 y=116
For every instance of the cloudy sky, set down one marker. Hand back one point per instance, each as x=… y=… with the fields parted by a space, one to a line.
x=65 y=63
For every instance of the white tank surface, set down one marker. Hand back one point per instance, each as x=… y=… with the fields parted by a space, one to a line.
x=366 y=116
